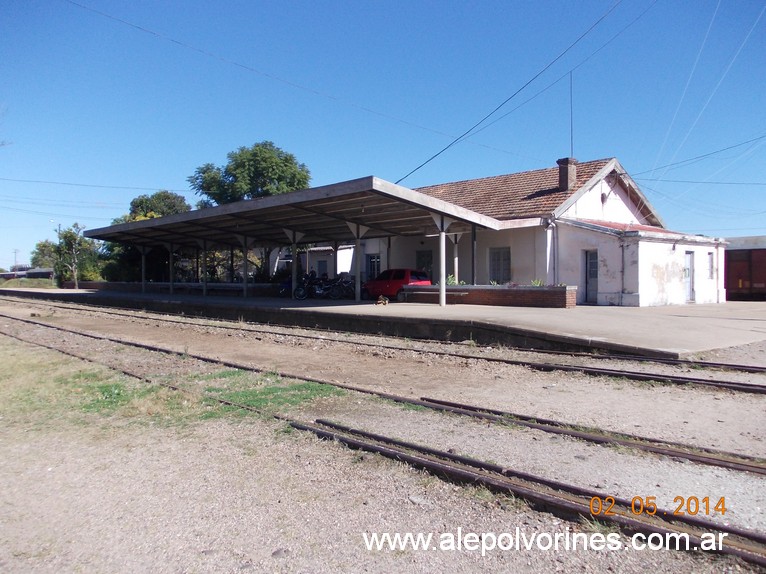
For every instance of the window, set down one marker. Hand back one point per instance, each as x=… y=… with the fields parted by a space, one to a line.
x=373 y=265
x=500 y=264
x=322 y=267
x=710 y=265
x=424 y=261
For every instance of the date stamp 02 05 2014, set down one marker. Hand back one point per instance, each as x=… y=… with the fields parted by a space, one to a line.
x=691 y=505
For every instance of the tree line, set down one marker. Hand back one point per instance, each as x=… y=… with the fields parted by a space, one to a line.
x=260 y=170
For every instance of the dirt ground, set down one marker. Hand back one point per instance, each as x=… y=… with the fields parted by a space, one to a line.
x=152 y=488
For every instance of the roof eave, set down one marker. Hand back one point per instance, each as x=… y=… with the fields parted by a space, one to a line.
x=434 y=204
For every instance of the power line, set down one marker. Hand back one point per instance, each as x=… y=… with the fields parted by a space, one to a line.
x=49 y=214
x=290 y=83
x=720 y=81
x=706 y=208
x=567 y=73
x=707 y=230
x=699 y=157
x=688 y=81
x=509 y=98
x=702 y=182
x=59 y=203
x=95 y=186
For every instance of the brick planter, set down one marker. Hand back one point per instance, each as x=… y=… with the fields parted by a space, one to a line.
x=499 y=295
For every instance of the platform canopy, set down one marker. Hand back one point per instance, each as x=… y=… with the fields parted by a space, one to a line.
x=369 y=207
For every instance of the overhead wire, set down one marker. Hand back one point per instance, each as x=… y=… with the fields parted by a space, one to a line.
x=700 y=157
x=688 y=82
x=49 y=214
x=701 y=181
x=133 y=188
x=704 y=207
x=697 y=204
x=564 y=75
x=270 y=76
x=748 y=151
x=465 y=135
x=24 y=200
x=513 y=95
x=718 y=84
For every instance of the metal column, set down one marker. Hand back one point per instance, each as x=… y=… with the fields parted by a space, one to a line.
x=442 y=266
x=170 y=266
x=473 y=254
x=357 y=230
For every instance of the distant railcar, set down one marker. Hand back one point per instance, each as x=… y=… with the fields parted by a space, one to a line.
x=745 y=278
x=40 y=273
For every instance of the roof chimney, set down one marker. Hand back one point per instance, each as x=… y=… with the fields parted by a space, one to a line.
x=567 y=173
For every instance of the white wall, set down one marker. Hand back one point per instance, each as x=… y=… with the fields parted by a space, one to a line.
x=632 y=271
x=402 y=253
x=605 y=202
x=529 y=254
x=662 y=279
x=614 y=272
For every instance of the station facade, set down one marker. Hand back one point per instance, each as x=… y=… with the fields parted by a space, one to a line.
x=585 y=224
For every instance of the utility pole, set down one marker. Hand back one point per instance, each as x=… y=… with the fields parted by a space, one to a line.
x=15 y=263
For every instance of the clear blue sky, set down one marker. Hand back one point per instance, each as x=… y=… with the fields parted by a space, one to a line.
x=142 y=93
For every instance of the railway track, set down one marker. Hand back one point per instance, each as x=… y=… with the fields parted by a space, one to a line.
x=566 y=500
x=547 y=495
x=706 y=456
x=739 y=386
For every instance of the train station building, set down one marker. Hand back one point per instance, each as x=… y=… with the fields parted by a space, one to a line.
x=578 y=224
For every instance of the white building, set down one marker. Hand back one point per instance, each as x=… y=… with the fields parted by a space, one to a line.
x=585 y=224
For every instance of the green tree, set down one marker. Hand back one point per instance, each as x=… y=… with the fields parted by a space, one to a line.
x=158 y=204
x=123 y=262
x=44 y=254
x=78 y=256
x=251 y=172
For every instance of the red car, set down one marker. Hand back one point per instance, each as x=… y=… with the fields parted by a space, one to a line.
x=390 y=283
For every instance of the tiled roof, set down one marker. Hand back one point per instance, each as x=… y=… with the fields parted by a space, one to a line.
x=516 y=195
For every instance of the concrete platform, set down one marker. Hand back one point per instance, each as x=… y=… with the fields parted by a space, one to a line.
x=674 y=331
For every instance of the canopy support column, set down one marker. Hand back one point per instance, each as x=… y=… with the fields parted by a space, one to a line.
x=144 y=251
x=473 y=254
x=442 y=223
x=442 y=269
x=455 y=237
x=357 y=231
x=245 y=241
x=203 y=243
x=335 y=259
x=294 y=237
x=170 y=266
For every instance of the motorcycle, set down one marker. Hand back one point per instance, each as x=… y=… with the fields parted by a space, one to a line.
x=311 y=286
x=343 y=289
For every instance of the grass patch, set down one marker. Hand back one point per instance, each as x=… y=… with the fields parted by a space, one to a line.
x=41 y=388
x=234 y=379
x=270 y=398
x=230 y=374
x=107 y=397
x=398 y=404
x=596 y=526
x=411 y=407
x=23 y=282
